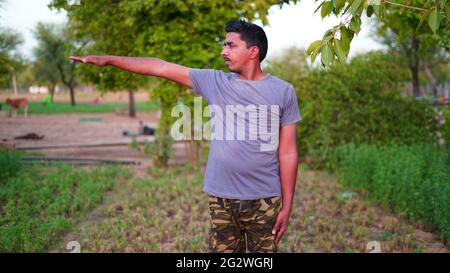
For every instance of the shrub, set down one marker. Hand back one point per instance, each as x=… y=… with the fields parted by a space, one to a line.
x=9 y=164
x=414 y=180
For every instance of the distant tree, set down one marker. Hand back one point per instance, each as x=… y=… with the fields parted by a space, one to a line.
x=10 y=60
x=52 y=65
x=290 y=65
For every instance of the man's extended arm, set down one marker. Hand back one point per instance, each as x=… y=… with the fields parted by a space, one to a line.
x=288 y=158
x=144 y=66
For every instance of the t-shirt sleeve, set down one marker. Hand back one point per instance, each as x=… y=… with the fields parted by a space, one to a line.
x=203 y=81
x=290 y=112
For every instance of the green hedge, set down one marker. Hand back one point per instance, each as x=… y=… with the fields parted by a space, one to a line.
x=414 y=180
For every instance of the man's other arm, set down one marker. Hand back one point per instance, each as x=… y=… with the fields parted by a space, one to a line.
x=288 y=159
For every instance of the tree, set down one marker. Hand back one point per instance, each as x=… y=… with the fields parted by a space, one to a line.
x=359 y=102
x=433 y=19
x=47 y=75
x=421 y=50
x=290 y=65
x=10 y=61
x=54 y=43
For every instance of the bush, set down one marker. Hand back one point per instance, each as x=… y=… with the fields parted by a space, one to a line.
x=9 y=164
x=359 y=102
x=414 y=180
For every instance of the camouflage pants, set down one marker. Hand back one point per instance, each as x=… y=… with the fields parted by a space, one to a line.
x=242 y=225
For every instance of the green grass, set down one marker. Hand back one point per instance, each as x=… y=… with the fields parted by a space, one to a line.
x=165 y=212
x=38 y=205
x=413 y=180
x=65 y=107
x=9 y=164
x=168 y=212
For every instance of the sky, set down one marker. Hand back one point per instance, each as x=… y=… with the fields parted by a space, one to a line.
x=293 y=25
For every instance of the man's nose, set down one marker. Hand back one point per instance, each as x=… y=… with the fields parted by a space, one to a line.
x=224 y=52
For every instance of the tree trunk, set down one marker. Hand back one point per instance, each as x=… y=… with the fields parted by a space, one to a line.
x=431 y=78
x=415 y=81
x=193 y=149
x=415 y=66
x=131 y=104
x=52 y=92
x=72 y=95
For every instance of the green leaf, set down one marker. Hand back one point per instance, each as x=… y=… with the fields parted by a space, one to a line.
x=339 y=4
x=326 y=9
x=376 y=9
x=346 y=38
x=434 y=20
x=313 y=46
x=315 y=52
x=327 y=55
x=340 y=50
x=355 y=24
x=355 y=6
x=321 y=4
x=369 y=11
x=447 y=11
x=328 y=34
x=423 y=18
x=349 y=5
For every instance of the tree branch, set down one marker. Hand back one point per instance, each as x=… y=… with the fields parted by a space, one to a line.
x=404 y=6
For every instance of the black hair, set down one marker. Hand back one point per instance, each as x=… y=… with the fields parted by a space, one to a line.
x=252 y=34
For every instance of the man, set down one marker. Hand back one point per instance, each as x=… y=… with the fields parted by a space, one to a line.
x=250 y=188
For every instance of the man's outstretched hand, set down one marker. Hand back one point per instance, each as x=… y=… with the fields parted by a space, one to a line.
x=97 y=60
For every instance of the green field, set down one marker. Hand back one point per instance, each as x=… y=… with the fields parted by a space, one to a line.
x=106 y=209
x=65 y=107
x=167 y=211
x=40 y=204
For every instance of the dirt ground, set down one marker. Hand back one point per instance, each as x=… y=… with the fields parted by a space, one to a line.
x=67 y=129
x=80 y=96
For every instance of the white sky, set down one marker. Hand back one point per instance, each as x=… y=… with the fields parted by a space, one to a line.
x=292 y=25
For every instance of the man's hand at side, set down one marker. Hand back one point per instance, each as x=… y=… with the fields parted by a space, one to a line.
x=288 y=158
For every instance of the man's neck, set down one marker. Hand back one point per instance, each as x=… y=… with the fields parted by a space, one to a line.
x=252 y=74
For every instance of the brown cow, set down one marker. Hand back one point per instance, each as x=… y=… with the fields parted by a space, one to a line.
x=16 y=104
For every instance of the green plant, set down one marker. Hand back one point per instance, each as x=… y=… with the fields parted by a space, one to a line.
x=9 y=164
x=159 y=150
x=413 y=180
x=345 y=105
x=39 y=205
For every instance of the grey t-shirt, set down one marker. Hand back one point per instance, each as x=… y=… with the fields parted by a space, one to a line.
x=243 y=157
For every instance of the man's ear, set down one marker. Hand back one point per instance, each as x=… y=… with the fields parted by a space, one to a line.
x=254 y=52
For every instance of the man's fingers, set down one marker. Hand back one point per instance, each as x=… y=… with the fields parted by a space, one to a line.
x=75 y=58
x=280 y=235
x=276 y=227
x=78 y=59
